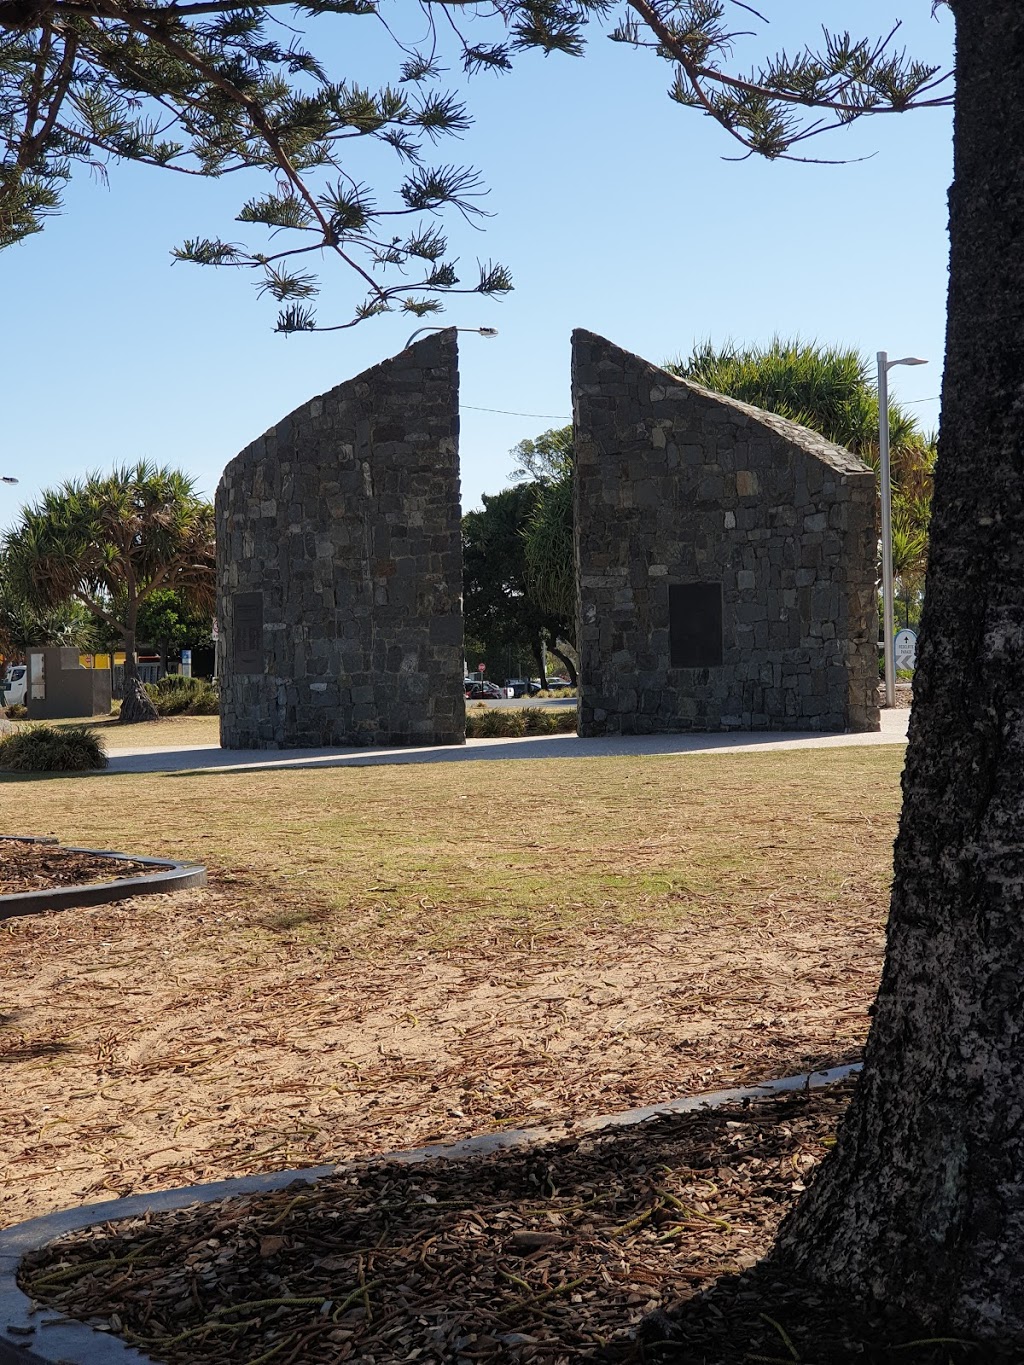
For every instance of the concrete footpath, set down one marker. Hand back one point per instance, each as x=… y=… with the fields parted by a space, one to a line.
x=212 y=758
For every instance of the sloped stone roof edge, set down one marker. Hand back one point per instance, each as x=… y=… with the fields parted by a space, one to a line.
x=437 y=340
x=811 y=442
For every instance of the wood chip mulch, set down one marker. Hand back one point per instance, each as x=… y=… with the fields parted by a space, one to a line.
x=548 y=1254
x=38 y=867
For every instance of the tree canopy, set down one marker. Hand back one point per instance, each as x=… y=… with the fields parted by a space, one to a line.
x=110 y=542
x=498 y=605
x=23 y=625
x=211 y=88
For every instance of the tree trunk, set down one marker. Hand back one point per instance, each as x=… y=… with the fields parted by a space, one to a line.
x=538 y=658
x=136 y=705
x=921 y=1202
x=566 y=662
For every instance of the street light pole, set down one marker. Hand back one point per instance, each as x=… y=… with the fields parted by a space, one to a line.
x=487 y=332
x=885 y=491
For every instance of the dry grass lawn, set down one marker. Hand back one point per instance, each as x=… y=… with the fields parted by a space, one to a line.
x=183 y=731
x=387 y=955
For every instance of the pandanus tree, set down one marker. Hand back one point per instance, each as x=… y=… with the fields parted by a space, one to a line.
x=110 y=542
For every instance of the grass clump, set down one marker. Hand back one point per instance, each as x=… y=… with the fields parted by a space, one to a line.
x=512 y=724
x=49 y=749
x=177 y=696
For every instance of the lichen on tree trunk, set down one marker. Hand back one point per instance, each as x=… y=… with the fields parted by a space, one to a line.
x=921 y=1203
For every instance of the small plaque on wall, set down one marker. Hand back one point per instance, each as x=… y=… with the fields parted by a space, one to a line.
x=247 y=632
x=695 y=625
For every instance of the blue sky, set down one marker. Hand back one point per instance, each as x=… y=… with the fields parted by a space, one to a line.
x=614 y=208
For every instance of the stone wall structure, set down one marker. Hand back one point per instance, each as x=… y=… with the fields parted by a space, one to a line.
x=726 y=560
x=339 y=566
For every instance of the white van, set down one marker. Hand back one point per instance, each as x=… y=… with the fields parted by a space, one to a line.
x=14 y=685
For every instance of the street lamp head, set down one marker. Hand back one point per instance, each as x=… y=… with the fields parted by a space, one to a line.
x=6 y=478
x=442 y=327
x=907 y=360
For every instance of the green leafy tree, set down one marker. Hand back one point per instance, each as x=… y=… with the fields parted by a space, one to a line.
x=110 y=543
x=215 y=87
x=498 y=607
x=169 y=620
x=550 y=556
x=23 y=625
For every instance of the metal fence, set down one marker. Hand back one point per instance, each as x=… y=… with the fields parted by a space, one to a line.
x=148 y=673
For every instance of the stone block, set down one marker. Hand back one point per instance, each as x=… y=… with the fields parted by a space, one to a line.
x=345 y=518
x=766 y=514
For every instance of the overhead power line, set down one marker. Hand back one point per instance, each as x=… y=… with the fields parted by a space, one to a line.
x=554 y=416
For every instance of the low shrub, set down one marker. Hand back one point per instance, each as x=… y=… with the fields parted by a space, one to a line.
x=513 y=723
x=495 y=724
x=16 y=711
x=556 y=692
x=178 y=696
x=52 y=749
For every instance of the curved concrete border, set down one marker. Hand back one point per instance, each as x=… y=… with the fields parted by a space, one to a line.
x=57 y=1341
x=173 y=876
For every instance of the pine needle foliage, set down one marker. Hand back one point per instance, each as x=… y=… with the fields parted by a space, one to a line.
x=214 y=87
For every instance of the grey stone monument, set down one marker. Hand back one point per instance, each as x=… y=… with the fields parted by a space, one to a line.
x=726 y=560
x=339 y=566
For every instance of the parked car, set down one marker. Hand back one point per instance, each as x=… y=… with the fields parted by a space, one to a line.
x=483 y=691
x=14 y=686
x=522 y=687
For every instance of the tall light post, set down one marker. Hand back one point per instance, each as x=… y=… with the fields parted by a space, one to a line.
x=885 y=490
x=487 y=332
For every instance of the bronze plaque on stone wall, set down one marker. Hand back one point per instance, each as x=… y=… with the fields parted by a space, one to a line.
x=247 y=632
x=695 y=625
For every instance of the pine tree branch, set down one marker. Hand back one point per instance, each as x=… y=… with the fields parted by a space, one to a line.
x=34 y=144
x=262 y=126
x=35 y=93
x=697 y=72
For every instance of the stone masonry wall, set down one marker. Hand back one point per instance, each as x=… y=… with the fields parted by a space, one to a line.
x=339 y=566
x=725 y=557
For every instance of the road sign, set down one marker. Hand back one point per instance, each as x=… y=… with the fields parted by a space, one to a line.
x=482 y=668
x=905 y=650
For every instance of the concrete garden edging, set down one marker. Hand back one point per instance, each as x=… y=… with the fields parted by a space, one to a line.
x=44 y=1337
x=172 y=876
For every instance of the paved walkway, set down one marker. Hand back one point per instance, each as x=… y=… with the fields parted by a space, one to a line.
x=212 y=758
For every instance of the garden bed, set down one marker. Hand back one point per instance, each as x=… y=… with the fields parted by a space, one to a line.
x=30 y=865
x=547 y=1254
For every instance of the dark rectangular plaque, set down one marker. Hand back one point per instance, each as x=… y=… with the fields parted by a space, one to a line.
x=695 y=625
x=247 y=632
